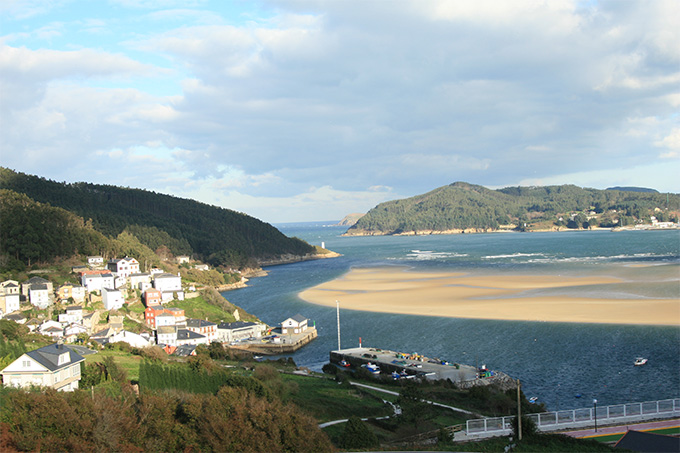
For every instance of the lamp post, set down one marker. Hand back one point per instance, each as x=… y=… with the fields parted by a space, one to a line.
x=595 y=413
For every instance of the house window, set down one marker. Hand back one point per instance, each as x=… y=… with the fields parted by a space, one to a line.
x=26 y=363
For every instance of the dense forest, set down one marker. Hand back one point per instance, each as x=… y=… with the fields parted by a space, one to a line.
x=91 y=215
x=462 y=206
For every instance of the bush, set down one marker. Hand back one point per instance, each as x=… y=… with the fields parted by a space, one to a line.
x=529 y=428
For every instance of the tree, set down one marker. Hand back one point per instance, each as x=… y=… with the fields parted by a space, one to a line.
x=357 y=435
x=413 y=408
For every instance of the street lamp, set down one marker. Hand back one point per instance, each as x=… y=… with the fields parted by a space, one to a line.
x=595 y=412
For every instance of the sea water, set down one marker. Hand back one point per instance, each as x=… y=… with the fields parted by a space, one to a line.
x=565 y=365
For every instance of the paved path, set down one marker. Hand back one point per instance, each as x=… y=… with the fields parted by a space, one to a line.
x=391 y=392
x=621 y=429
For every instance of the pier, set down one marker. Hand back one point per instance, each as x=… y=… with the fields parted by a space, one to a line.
x=286 y=344
x=418 y=366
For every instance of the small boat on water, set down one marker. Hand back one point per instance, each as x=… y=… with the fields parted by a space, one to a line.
x=533 y=399
x=640 y=361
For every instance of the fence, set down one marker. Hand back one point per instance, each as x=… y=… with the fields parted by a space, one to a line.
x=579 y=418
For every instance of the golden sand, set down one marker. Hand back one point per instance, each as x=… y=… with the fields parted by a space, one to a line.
x=396 y=290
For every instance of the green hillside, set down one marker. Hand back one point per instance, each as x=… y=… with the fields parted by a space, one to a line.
x=467 y=207
x=219 y=236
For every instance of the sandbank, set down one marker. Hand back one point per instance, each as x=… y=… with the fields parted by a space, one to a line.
x=501 y=297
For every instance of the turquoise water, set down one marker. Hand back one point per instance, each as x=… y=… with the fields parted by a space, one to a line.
x=554 y=361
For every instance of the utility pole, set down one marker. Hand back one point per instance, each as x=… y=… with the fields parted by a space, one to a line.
x=337 y=307
x=595 y=413
x=519 y=412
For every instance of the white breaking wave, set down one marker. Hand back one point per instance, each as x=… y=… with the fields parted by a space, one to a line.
x=430 y=255
x=514 y=255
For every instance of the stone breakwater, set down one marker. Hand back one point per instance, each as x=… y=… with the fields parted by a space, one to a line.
x=287 y=259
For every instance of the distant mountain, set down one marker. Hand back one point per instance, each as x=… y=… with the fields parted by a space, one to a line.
x=219 y=236
x=633 y=189
x=462 y=207
x=350 y=219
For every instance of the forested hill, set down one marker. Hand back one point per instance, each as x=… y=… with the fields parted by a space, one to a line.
x=216 y=235
x=461 y=207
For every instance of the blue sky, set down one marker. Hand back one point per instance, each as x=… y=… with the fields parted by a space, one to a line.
x=310 y=110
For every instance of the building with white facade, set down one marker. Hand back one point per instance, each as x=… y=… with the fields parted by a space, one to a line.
x=124 y=267
x=112 y=299
x=53 y=366
x=96 y=282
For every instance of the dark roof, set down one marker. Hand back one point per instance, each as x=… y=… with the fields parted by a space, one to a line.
x=15 y=317
x=184 y=350
x=648 y=442
x=197 y=323
x=235 y=325
x=48 y=356
x=38 y=287
x=184 y=334
x=34 y=280
x=11 y=285
x=299 y=318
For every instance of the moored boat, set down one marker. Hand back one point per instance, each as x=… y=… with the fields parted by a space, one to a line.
x=640 y=361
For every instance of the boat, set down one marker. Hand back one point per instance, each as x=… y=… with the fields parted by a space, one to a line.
x=640 y=361
x=533 y=399
x=373 y=368
x=344 y=364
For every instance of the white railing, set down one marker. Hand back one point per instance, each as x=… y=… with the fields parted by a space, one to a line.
x=579 y=418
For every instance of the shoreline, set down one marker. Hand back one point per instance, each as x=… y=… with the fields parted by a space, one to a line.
x=496 y=297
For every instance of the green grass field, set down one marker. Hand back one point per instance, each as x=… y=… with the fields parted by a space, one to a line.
x=130 y=363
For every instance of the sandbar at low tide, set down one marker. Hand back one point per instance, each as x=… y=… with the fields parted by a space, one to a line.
x=459 y=295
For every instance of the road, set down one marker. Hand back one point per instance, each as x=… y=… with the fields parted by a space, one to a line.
x=621 y=429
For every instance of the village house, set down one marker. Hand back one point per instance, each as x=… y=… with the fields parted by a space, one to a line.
x=228 y=332
x=28 y=284
x=39 y=296
x=70 y=291
x=204 y=327
x=165 y=319
x=152 y=297
x=112 y=299
x=169 y=285
x=139 y=281
x=9 y=287
x=18 y=318
x=96 y=282
x=10 y=303
x=166 y=335
x=294 y=325
x=53 y=366
x=189 y=337
x=150 y=315
x=95 y=261
x=178 y=313
x=73 y=314
x=71 y=332
x=124 y=267
x=131 y=338
x=182 y=259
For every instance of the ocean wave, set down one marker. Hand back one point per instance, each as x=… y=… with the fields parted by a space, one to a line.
x=514 y=255
x=431 y=255
x=611 y=258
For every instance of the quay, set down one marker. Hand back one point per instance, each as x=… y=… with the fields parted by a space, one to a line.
x=283 y=344
x=415 y=365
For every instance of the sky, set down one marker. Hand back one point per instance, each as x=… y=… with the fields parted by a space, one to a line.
x=309 y=110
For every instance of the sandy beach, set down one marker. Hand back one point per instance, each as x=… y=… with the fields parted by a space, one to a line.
x=502 y=297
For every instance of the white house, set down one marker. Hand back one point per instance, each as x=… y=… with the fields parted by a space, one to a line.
x=112 y=298
x=9 y=287
x=53 y=366
x=131 y=338
x=39 y=296
x=169 y=285
x=296 y=324
x=185 y=336
x=73 y=314
x=124 y=267
x=136 y=280
x=95 y=261
x=234 y=331
x=166 y=335
x=10 y=303
x=165 y=319
x=96 y=282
